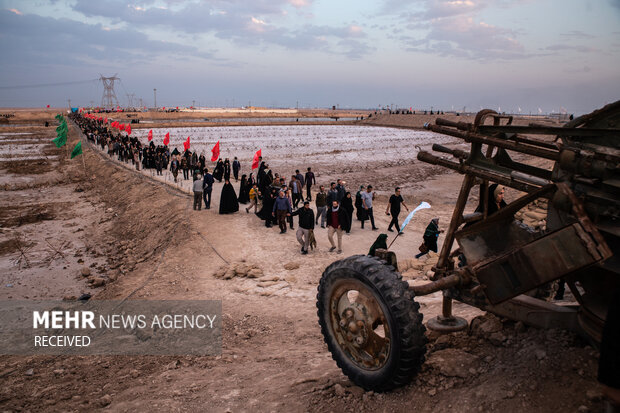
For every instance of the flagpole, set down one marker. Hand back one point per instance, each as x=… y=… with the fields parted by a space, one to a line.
x=393 y=240
x=84 y=163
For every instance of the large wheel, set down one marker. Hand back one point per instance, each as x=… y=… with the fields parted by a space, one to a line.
x=370 y=322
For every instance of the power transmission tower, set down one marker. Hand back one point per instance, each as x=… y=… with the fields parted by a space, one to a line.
x=130 y=99
x=109 y=100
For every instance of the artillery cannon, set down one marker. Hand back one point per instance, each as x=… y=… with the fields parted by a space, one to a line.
x=367 y=313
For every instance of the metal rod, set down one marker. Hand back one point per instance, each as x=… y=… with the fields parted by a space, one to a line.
x=548 y=145
x=457 y=214
x=446 y=307
x=441 y=284
x=530 y=178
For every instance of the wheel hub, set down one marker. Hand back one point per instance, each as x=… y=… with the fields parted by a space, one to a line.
x=359 y=325
x=354 y=327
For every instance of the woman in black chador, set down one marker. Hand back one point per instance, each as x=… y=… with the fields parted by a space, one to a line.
x=244 y=191
x=227 y=170
x=358 y=204
x=430 y=237
x=347 y=204
x=228 y=200
x=202 y=161
x=266 y=211
x=218 y=172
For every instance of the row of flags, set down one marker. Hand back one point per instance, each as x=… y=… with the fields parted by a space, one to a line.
x=215 y=152
x=61 y=137
x=115 y=124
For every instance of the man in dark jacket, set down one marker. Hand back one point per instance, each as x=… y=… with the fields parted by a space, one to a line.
x=337 y=222
x=207 y=187
x=299 y=177
x=341 y=190
x=321 y=206
x=310 y=180
x=332 y=194
x=281 y=210
x=306 y=224
x=394 y=208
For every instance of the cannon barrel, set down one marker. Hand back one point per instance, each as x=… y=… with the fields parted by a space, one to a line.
x=457 y=153
x=459 y=125
x=521 y=181
x=532 y=129
x=501 y=143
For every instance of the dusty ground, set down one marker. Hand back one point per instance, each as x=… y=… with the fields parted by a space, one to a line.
x=142 y=239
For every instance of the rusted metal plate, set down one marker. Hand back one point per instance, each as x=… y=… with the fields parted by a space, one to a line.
x=545 y=259
x=492 y=239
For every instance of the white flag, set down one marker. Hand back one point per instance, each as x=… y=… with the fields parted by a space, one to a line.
x=423 y=205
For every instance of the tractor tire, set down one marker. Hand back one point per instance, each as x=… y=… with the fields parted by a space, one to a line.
x=378 y=338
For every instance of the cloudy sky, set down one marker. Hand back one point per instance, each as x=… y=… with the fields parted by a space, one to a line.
x=508 y=54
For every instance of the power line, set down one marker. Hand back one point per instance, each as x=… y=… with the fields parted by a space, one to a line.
x=49 y=84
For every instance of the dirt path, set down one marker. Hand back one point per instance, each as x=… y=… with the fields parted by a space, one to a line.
x=147 y=243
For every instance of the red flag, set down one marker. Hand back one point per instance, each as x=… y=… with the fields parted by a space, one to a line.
x=186 y=144
x=121 y=126
x=177 y=108
x=167 y=139
x=48 y=106
x=151 y=135
x=216 y=152
x=128 y=129
x=257 y=155
x=105 y=120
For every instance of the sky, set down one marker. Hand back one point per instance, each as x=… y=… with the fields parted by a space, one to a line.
x=525 y=56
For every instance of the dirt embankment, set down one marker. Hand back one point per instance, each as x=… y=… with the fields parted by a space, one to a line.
x=138 y=218
x=63 y=219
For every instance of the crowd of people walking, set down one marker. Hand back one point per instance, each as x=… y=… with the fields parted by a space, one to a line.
x=273 y=199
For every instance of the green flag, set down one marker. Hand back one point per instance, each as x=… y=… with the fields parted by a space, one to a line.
x=62 y=127
x=61 y=139
x=77 y=150
x=58 y=117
